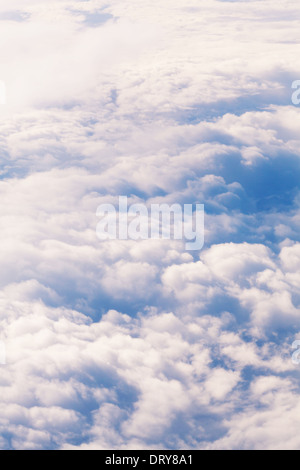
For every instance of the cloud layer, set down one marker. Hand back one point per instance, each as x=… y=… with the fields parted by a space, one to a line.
x=123 y=344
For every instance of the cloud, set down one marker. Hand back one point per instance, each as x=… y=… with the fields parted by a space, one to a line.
x=127 y=344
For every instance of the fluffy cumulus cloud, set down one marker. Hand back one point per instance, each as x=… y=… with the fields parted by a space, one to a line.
x=124 y=344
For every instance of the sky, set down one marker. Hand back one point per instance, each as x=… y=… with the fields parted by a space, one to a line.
x=124 y=344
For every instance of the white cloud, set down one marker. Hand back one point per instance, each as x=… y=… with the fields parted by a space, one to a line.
x=126 y=344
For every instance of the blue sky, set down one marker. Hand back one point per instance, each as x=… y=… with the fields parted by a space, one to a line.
x=141 y=344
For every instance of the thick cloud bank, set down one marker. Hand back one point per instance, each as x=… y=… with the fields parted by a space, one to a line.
x=141 y=344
